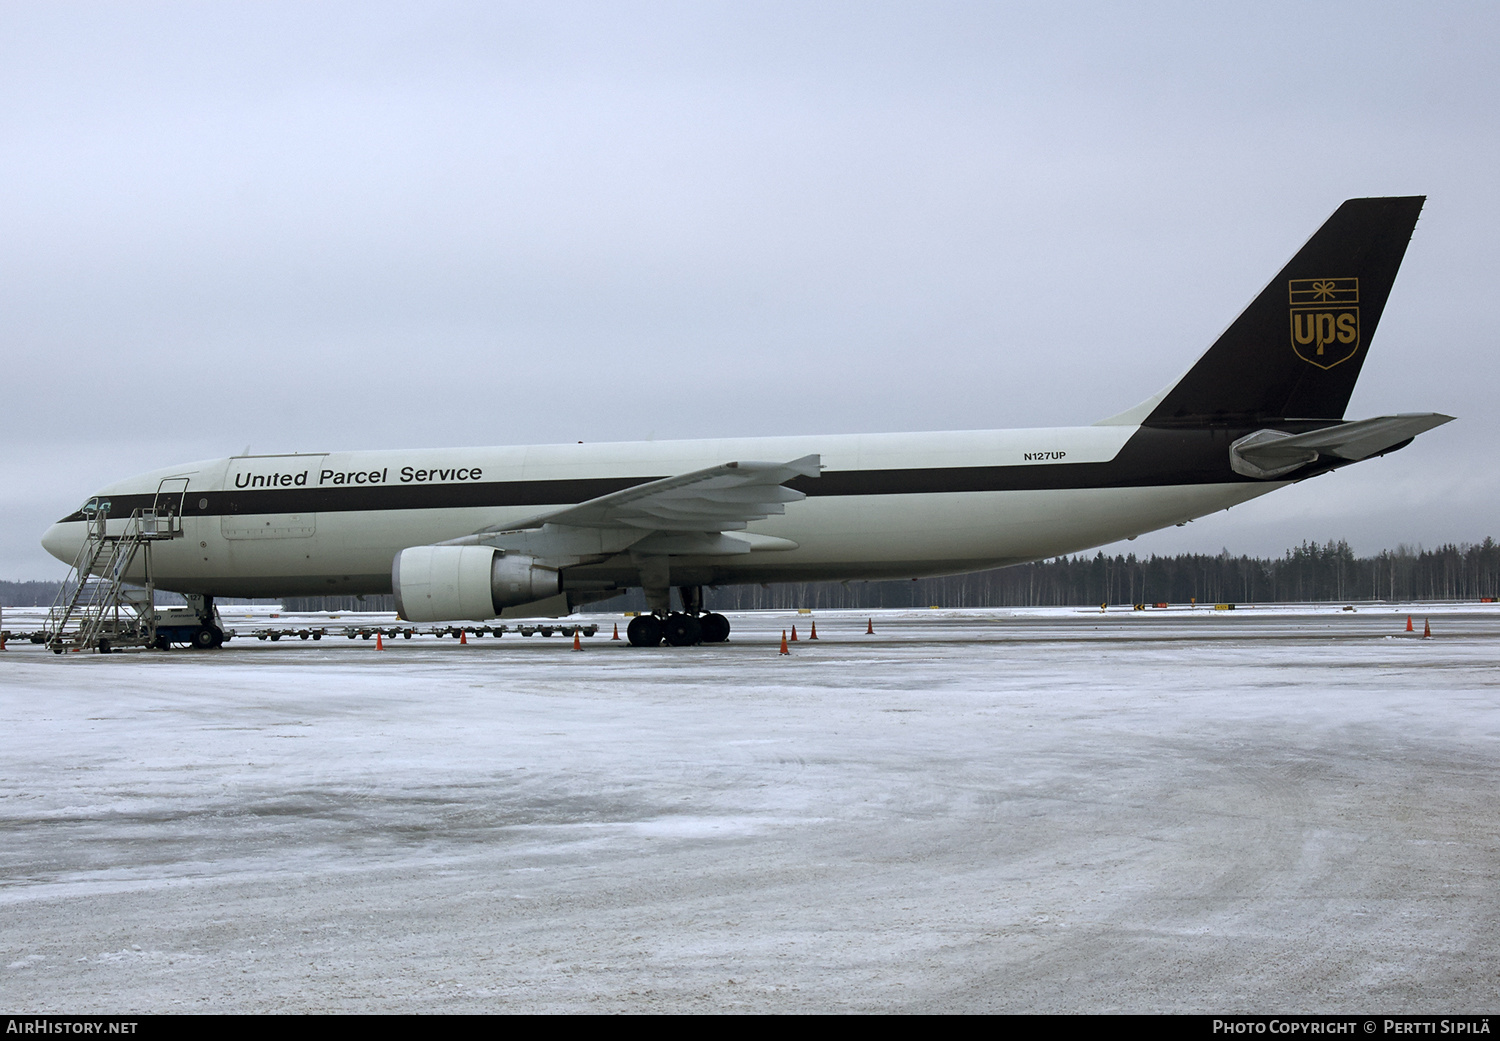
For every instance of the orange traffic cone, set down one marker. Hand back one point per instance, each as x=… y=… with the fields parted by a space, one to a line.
x=379 y=643
x=463 y=636
x=616 y=636
x=814 y=634
x=784 y=649
x=1408 y=624
x=794 y=634
x=576 y=645
x=870 y=627
x=1426 y=630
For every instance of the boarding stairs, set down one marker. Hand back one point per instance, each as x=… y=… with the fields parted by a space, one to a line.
x=97 y=606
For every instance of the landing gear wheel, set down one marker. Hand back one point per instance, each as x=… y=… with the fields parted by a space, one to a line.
x=644 y=630
x=682 y=630
x=715 y=628
x=206 y=638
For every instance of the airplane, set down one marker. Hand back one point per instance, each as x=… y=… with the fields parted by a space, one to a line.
x=481 y=533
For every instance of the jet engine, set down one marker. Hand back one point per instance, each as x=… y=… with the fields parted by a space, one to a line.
x=446 y=583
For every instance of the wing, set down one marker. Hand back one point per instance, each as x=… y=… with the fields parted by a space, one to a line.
x=720 y=498
x=688 y=514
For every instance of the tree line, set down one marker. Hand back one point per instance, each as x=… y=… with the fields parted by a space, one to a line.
x=1310 y=572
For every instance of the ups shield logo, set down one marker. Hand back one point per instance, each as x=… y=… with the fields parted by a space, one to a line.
x=1325 y=319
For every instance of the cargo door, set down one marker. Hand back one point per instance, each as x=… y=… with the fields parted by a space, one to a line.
x=270 y=497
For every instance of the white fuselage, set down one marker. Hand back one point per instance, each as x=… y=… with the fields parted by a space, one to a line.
x=331 y=523
x=476 y=529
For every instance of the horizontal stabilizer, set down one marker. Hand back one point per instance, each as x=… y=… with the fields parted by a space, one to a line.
x=1272 y=453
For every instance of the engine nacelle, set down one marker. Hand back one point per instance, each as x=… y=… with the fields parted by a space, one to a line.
x=448 y=583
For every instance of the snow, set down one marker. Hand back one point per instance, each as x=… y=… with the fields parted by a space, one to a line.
x=1041 y=810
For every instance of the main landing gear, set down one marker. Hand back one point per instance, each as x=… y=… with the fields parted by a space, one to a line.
x=685 y=628
x=678 y=629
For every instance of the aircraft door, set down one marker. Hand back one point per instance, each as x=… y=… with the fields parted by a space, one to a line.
x=167 y=508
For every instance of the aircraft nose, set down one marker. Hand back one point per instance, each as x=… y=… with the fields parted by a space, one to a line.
x=62 y=541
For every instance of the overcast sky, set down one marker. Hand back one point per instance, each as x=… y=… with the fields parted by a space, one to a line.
x=338 y=226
